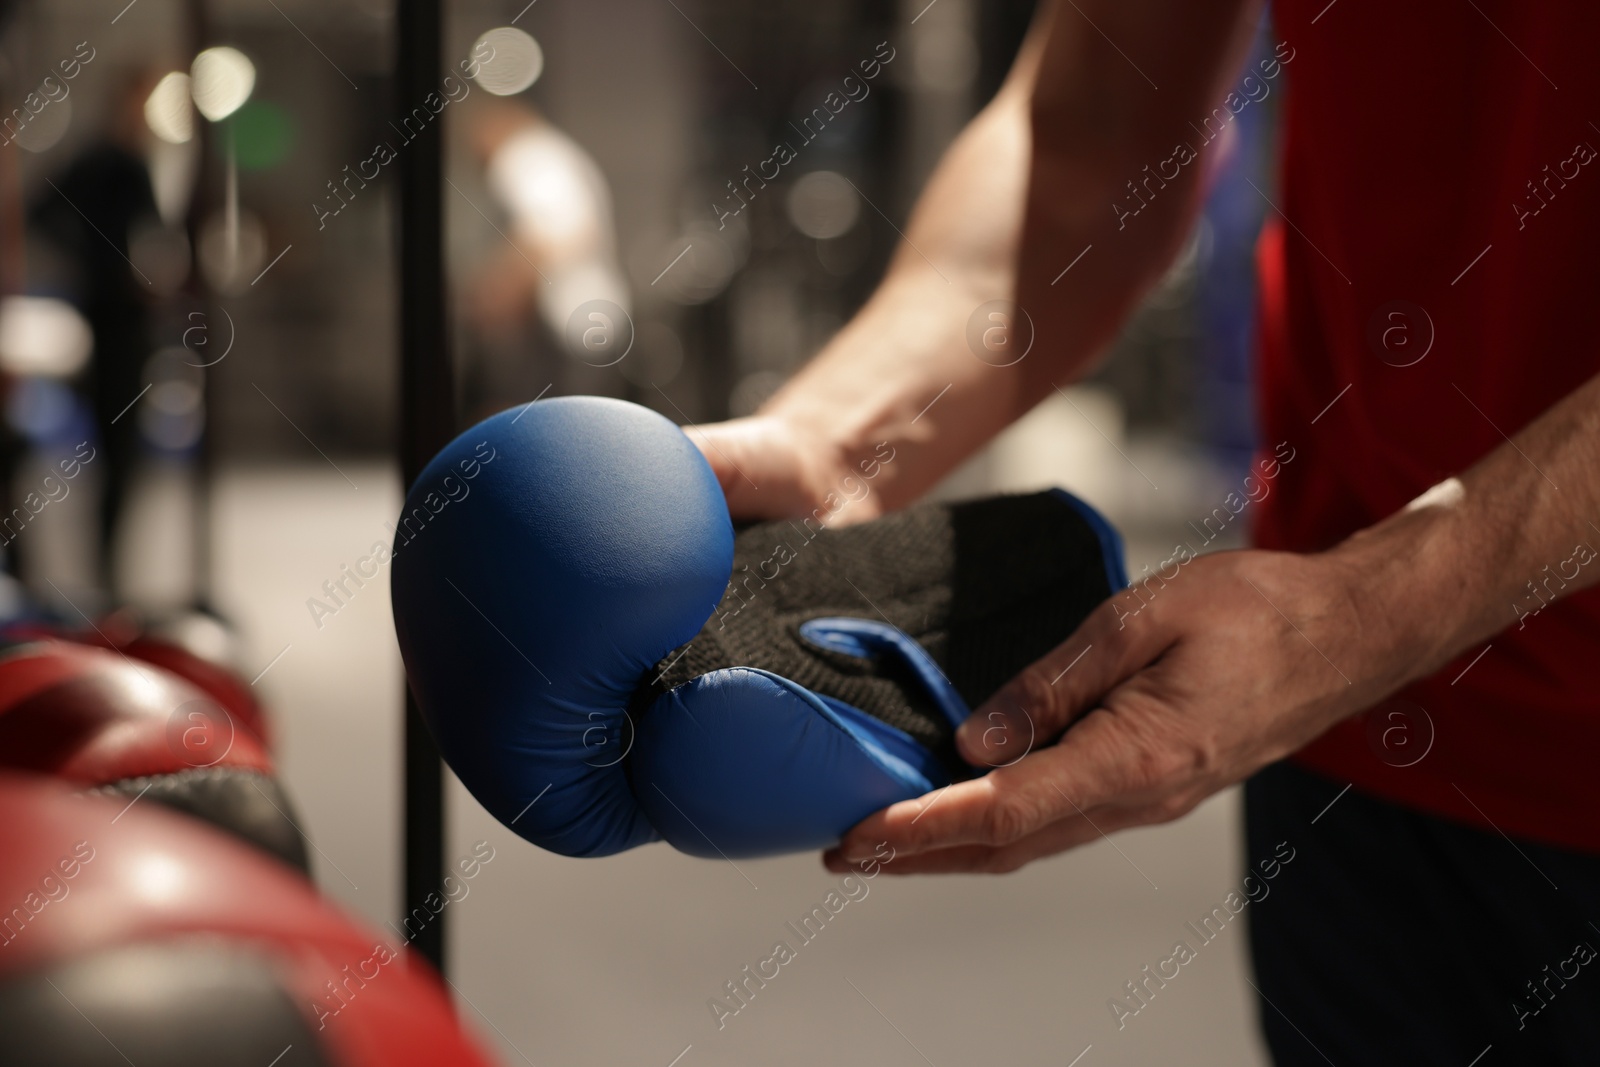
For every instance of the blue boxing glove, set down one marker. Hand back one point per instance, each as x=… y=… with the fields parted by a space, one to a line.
x=604 y=663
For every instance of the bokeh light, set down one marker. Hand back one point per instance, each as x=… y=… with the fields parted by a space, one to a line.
x=515 y=61
x=263 y=134
x=45 y=129
x=823 y=204
x=230 y=257
x=160 y=253
x=172 y=415
x=221 y=80
x=43 y=336
x=169 y=110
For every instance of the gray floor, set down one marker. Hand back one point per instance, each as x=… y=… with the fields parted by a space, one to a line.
x=613 y=961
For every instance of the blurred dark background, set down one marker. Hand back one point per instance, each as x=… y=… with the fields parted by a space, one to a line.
x=669 y=107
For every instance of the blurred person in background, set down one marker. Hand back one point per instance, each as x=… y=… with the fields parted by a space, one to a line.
x=86 y=216
x=557 y=252
x=1447 y=905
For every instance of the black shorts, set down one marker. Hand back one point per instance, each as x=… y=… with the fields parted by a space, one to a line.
x=1396 y=937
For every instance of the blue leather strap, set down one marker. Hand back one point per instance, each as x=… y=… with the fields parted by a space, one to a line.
x=867 y=639
x=741 y=762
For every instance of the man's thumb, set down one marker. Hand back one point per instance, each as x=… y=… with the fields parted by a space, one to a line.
x=714 y=445
x=1036 y=706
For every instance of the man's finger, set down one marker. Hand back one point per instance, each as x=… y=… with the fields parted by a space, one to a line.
x=1080 y=829
x=1095 y=763
x=986 y=859
x=1031 y=710
x=900 y=825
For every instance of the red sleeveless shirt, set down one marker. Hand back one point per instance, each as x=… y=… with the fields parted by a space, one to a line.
x=1430 y=286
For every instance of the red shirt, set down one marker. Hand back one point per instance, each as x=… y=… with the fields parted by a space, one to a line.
x=1412 y=133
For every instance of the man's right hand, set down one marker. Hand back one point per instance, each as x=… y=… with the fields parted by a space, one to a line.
x=769 y=468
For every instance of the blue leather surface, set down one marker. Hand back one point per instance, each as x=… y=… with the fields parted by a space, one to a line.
x=592 y=543
x=867 y=638
x=741 y=762
x=894 y=744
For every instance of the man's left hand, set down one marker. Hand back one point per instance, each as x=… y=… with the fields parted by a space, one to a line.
x=1172 y=691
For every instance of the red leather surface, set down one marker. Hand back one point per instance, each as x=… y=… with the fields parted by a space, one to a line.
x=92 y=717
x=152 y=875
x=217 y=682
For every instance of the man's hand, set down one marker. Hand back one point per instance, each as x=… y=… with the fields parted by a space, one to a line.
x=1172 y=692
x=770 y=468
x=1189 y=683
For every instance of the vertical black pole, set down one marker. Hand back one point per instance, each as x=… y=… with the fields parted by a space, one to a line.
x=193 y=34
x=427 y=412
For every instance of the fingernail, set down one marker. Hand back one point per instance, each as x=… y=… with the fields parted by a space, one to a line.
x=969 y=735
x=989 y=736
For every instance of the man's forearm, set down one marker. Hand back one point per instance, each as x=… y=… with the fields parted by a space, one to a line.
x=906 y=350
x=1105 y=215
x=1488 y=549
x=1027 y=187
